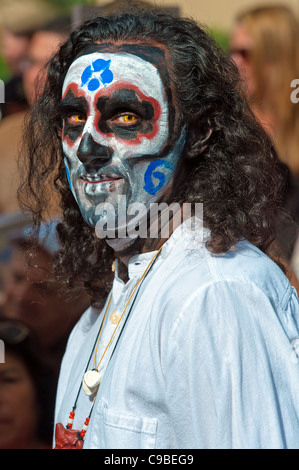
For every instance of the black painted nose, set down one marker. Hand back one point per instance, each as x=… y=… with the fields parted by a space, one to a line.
x=90 y=152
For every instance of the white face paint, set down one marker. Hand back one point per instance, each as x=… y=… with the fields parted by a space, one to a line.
x=115 y=133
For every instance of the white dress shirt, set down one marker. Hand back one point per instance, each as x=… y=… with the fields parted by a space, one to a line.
x=205 y=358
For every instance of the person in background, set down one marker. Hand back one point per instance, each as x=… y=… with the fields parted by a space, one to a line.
x=13 y=51
x=19 y=19
x=30 y=295
x=43 y=43
x=264 y=44
x=27 y=390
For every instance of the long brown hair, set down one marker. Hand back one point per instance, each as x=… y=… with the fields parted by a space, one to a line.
x=237 y=177
x=275 y=62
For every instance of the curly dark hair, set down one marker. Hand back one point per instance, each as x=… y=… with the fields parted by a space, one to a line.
x=237 y=176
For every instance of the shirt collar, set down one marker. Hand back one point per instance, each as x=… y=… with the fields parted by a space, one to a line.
x=190 y=234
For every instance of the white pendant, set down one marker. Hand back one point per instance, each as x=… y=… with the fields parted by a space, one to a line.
x=91 y=382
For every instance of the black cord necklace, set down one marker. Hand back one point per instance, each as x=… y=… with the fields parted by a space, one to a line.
x=66 y=437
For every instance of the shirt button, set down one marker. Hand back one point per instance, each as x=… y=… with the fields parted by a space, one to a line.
x=114 y=318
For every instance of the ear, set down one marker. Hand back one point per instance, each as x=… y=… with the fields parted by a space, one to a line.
x=197 y=139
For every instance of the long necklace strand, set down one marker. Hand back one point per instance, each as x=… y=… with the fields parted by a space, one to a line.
x=126 y=306
x=81 y=434
x=72 y=413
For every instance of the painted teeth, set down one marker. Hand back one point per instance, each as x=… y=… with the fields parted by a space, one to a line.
x=97 y=178
x=100 y=178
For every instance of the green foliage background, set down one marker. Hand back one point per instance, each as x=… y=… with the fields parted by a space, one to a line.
x=222 y=38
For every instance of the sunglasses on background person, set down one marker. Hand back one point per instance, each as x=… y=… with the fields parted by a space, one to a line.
x=244 y=53
x=13 y=332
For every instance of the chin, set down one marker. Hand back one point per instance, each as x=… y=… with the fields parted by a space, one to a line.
x=89 y=217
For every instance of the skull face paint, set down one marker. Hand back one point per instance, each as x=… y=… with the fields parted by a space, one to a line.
x=116 y=128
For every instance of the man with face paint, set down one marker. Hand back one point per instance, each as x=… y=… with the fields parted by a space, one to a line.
x=190 y=341
x=116 y=127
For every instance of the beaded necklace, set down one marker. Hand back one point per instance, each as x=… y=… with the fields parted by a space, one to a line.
x=66 y=437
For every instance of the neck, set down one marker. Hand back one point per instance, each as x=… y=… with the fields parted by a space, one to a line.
x=126 y=248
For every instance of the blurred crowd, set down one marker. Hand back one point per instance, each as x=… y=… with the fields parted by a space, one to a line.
x=35 y=320
x=35 y=317
x=264 y=44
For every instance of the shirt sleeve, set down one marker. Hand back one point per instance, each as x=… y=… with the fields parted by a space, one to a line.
x=230 y=374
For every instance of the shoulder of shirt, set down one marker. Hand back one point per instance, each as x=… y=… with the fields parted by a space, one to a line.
x=243 y=264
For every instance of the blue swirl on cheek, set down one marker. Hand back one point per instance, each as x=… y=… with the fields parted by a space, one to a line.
x=150 y=173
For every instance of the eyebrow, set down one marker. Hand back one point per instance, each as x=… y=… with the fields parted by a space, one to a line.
x=70 y=101
x=128 y=100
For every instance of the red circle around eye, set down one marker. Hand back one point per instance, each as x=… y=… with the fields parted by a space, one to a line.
x=66 y=138
x=143 y=97
x=74 y=87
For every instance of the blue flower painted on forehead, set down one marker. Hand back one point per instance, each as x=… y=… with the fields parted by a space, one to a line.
x=96 y=73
